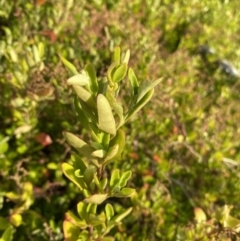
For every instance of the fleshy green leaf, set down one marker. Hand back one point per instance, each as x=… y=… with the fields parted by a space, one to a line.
x=41 y=49
x=8 y=234
x=36 y=54
x=145 y=88
x=96 y=198
x=69 y=172
x=70 y=67
x=103 y=85
x=126 y=57
x=71 y=232
x=8 y=34
x=116 y=107
x=97 y=220
x=78 y=173
x=91 y=115
x=86 y=193
x=115 y=177
x=12 y=196
x=119 y=73
x=82 y=210
x=139 y=105
x=231 y=222
x=79 y=79
x=85 y=96
x=109 y=211
x=97 y=182
x=78 y=144
x=99 y=153
x=200 y=215
x=124 y=178
x=125 y=192
x=105 y=116
x=93 y=78
x=92 y=208
x=122 y=215
x=105 y=140
x=78 y=163
x=88 y=174
x=16 y=219
x=13 y=55
x=104 y=183
x=97 y=146
x=117 y=55
x=70 y=217
x=118 y=140
x=84 y=236
x=133 y=81
x=112 y=153
x=81 y=114
x=110 y=73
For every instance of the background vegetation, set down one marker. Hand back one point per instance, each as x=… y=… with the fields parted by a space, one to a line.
x=183 y=148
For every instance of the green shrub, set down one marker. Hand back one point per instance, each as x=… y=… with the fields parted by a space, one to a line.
x=182 y=149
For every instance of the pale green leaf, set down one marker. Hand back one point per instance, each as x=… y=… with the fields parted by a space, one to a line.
x=110 y=73
x=116 y=107
x=85 y=96
x=82 y=210
x=88 y=174
x=137 y=107
x=115 y=177
x=90 y=114
x=22 y=129
x=71 y=232
x=118 y=140
x=124 y=192
x=12 y=53
x=96 y=198
x=71 y=217
x=16 y=219
x=69 y=172
x=69 y=66
x=36 y=54
x=112 y=152
x=79 y=79
x=99 y=153
x=106 y=119
x=8 y=234
x=92 y=208
x=109 y=211
x=96 y=220
x=126 y=57
x=93 y=78
x=133 y=81
x=145 y=88
x=122 y=215
x=78 y=163
x=119 y=73
x=124 y=178
x=117 y=55
x=78 y=144
x=104 y=183
x=81 y=114
x=41 y=49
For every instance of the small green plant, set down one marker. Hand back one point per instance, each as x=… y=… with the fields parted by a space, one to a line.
x=103 y=116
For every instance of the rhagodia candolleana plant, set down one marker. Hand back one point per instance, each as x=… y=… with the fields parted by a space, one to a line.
x=103 y=116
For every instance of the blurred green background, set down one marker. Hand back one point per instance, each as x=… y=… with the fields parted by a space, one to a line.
x=183 y=148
